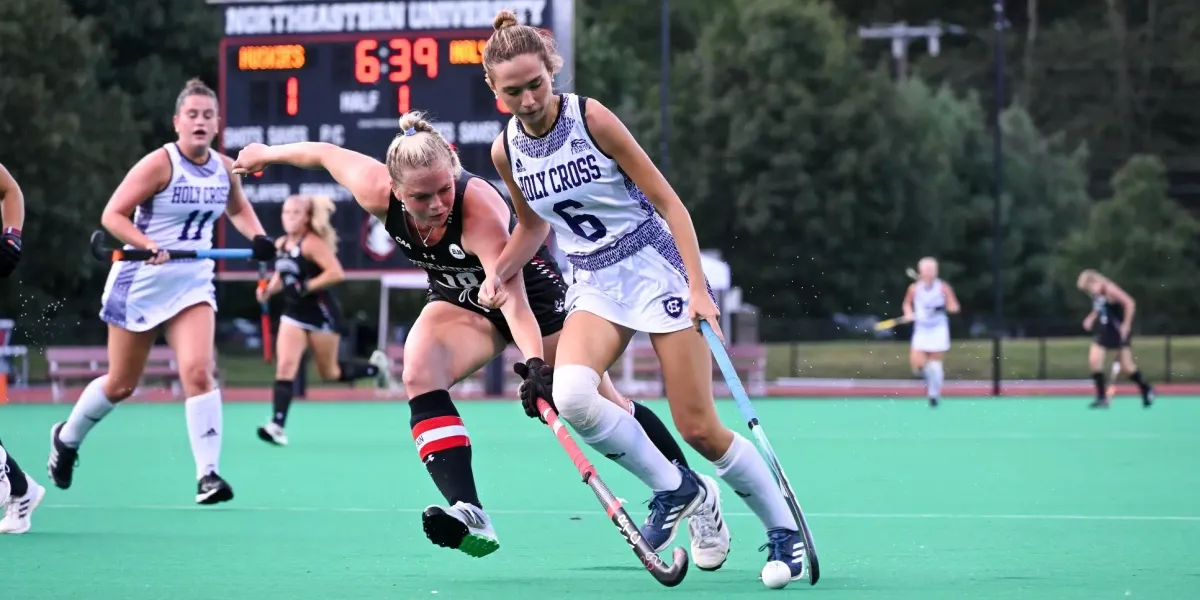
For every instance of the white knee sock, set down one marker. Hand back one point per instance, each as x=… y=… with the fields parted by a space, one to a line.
x=610 y=429
x=92 y=406
x=204 y=430
x=934 y=377
x=748 y=474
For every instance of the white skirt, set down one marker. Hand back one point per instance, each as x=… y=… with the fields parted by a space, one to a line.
x=931 y=339
x=139 y=297
x=644 y=292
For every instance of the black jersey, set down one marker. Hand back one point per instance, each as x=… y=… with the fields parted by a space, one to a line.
x=1110 y=316
x=455 y=276
x=315 y=311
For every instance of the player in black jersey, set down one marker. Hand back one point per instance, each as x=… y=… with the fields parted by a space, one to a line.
x=453 y=225
x=306 y=269
x=19 y=493
x=1111 y=324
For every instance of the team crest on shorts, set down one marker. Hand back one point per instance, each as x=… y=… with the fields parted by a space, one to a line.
x=674 y=306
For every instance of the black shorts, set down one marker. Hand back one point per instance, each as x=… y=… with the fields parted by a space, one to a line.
x=1109 y=338
x=314 y=313
x=547 y=297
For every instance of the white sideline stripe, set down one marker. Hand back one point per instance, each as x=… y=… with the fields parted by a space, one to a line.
x=591 y=510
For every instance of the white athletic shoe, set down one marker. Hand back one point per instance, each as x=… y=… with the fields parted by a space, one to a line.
x=463 y=527
x=384 y=380
x=20 y=508
x=272 y=434
x=5 y=487
x=707 y=530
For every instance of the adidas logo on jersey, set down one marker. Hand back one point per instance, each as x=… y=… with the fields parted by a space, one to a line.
x=520 y=167
x=580 y=145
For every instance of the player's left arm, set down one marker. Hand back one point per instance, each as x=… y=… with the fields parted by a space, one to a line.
x=1114 y=293
x=316 y=250
x=485 y=234
x=616 y=141
x=12 y=211
x=952 y=305
x=241 y=214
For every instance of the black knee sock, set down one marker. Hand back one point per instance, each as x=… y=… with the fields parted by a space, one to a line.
x=354 y=369
x=1098 y=378
x=16 y=477
x=443 y=445
x=658 y=433
x=1140 y=380
x=281 y=401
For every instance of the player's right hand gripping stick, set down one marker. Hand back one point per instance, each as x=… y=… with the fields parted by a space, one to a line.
x=537 y=381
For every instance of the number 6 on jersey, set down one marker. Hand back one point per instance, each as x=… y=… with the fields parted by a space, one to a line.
x=576 y=222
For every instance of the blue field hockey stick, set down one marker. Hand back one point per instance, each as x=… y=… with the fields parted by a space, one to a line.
x=764 y=447
x=101 y=253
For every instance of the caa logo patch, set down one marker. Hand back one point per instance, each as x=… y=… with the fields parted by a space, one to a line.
x=673 y=306
x=457 y=252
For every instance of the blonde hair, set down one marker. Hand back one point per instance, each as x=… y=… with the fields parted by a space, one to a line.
x=320 y=211
x=419 y=145
x=194 y=87
x=1086 y=276
x=511 y=39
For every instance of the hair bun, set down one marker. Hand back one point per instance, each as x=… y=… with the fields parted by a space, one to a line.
x=505 y=18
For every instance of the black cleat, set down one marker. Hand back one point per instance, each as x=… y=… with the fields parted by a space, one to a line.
x=211 y=489
x=933 y=403
x=63 y=459
x=1148 y=396
x=1100 y=402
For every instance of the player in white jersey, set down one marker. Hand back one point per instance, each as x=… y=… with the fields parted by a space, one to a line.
x=571 y=165
x=168 y=201
x=927 y=304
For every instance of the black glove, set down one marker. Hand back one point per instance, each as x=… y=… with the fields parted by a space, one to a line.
x=538 y=380
x=10 y=251
x=262 y=248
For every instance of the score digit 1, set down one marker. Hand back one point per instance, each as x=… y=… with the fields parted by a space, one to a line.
x=292 y=90
x=403 y=102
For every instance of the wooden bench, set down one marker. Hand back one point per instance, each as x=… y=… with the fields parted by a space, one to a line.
x=85 y=363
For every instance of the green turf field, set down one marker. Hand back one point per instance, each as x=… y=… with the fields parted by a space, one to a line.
x=979 y=499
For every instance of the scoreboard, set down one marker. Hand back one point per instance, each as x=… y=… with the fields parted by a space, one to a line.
x=344 y=73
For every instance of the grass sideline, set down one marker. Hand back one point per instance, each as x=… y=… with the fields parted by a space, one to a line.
x=1064 y=358
x=1021 y=359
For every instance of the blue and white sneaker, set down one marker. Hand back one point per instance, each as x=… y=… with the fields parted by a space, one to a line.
x=669 y=509
x=787 y=546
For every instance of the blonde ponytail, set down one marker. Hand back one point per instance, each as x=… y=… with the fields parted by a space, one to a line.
x=419 y=145
x=320 y=219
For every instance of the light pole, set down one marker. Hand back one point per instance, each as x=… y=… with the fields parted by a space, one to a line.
x=902 y=34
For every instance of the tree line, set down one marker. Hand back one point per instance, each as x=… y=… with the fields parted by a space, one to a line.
x=816 y=172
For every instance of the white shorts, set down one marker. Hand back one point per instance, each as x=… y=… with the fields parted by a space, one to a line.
x=139 y=297
x=931 y=339
x=324 y=327
x=643 y=292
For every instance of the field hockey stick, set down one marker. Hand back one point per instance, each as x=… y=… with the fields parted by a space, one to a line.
x=104 y=254
x=743 y=403
x=266 y=312
x=890 y=323
x=1112 y=382
x=669 y=576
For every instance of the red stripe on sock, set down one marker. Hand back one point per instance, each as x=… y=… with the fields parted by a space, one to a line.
x=434 y=423
x=453 y=441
